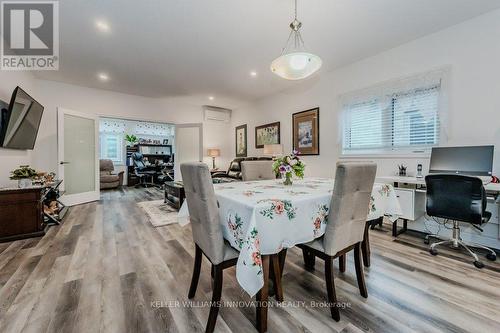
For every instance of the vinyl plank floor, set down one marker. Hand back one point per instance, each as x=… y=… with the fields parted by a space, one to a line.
x=107 y=269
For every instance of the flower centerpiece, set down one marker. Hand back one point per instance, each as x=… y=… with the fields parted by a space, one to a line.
x=24 y=175
x=288 y=166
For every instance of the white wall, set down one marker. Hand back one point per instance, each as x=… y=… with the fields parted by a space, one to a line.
x=9 y=158
x=471 y=48
x=100 y=102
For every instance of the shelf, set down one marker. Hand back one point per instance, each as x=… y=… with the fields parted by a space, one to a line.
x=152 y=145
x=156 y=154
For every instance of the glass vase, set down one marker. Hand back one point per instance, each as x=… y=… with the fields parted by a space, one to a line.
x=287 y=179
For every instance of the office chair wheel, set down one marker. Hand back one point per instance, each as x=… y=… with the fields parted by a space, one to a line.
x=433 y=252
x=478 y=264
x=491 y=256
x=426 y=240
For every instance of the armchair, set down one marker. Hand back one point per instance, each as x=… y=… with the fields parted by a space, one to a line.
x=107 y=178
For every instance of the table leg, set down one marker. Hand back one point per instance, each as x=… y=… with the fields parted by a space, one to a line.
x=276 y=277
x=282 y=258
x=309 y=260
x=262 y=297
x=277 y=265
x=342 y=263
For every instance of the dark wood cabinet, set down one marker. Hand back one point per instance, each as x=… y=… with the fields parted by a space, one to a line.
x=132 y=179
x=21 y=214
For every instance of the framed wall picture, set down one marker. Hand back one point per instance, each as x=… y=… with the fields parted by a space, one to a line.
x=306 y=132
x=268 y=134
x=241 y=140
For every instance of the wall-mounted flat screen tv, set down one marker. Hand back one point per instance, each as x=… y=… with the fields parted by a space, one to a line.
x=20 y=122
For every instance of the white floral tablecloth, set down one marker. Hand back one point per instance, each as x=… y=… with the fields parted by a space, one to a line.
x=263 y=217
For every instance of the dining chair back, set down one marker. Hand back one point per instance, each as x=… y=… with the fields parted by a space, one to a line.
x=257 y=170
x=203 y=210
x=349 y=205
x=345 y=227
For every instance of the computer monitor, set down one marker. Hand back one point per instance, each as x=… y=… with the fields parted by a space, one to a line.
x=472 y=160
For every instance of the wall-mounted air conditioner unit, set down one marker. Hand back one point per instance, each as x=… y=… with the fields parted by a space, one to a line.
x=213 y=113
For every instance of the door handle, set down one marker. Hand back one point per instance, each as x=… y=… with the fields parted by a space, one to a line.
x=63 y=162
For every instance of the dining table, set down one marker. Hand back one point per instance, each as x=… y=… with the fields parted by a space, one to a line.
x=262 y=218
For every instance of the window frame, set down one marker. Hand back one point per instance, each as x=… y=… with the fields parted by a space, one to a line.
x=392 y=151
x=104 y=145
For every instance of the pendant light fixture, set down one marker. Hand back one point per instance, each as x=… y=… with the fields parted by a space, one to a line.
x=295 y=63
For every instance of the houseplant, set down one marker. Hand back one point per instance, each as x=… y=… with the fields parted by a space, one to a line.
x=24 y=175
x=288 y=166
x=131 y=139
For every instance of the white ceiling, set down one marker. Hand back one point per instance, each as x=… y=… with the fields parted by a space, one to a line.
x=165 y=48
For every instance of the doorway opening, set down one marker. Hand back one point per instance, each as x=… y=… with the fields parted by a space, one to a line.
x=140 y=153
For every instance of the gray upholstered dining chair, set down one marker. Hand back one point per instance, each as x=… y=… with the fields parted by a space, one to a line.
x=209 y=240
x=345 y=225
x=257 y=170
x=207 y=232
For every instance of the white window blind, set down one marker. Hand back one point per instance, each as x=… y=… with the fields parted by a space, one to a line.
x=112 y=147
x=393 y=119
x=111 y=137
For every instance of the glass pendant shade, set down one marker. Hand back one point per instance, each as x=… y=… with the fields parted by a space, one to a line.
x=296 y=65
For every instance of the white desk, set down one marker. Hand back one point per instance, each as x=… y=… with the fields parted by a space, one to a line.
x=491 y=188
x=411 y=193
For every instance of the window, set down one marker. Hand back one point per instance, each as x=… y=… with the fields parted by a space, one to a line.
x=112 y=147
x=402 y=120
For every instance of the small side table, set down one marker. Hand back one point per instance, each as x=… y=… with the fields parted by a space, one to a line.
x=174 y=194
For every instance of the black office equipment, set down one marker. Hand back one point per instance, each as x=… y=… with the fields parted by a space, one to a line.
x=142 y=171
x=459 y=199
x=20 y=122
x=472 y=160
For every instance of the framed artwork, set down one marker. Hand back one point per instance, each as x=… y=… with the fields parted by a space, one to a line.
x=268 y=134
x=241 y=140
x=306 y=132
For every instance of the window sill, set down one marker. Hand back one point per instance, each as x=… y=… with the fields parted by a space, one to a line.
x=386 y=155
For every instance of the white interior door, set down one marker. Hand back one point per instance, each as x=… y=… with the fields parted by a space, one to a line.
x=77 y=141
x=188 y=146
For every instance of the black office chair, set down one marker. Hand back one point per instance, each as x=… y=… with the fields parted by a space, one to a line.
x=141 y=171
x=460 y=199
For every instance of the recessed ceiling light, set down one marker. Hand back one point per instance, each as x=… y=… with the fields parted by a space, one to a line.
x=211 y=98
x=103 y=76
x=253 y=73
x=102 y=26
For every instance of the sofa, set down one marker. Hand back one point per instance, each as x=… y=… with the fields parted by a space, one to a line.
x=108 y=179
x=234 y=169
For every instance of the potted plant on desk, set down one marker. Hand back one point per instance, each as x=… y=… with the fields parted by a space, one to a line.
x=24 y=175
x=131 y=140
